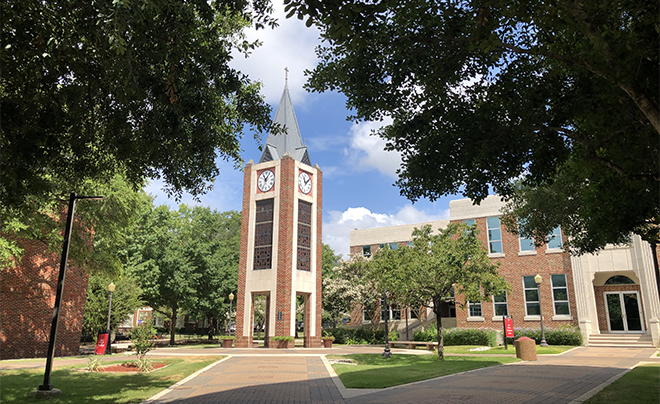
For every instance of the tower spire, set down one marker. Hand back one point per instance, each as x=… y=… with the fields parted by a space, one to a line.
x=286 y=77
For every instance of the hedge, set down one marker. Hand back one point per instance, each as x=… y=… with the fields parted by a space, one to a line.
x=459 y=336
x=358 y=336
x=562 y=335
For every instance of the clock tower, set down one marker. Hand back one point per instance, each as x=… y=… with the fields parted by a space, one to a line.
x=280 y=250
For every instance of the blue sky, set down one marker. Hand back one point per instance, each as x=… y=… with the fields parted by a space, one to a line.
x=358 y=175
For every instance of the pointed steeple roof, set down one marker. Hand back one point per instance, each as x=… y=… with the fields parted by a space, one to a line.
x=289 y=140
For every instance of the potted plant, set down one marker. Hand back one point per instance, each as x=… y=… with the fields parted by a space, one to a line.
x=327 y=340
x=227 y=340
x=282 y=341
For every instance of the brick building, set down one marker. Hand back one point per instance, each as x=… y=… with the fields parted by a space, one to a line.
x=27 y=297
x=612 y=292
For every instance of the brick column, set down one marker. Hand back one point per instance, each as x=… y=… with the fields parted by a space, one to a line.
x=285 y=252
x=243 y=336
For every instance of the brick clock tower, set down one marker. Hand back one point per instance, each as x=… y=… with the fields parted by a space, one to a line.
x=280 y=256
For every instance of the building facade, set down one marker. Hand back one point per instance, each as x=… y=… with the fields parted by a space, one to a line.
x=612 y=292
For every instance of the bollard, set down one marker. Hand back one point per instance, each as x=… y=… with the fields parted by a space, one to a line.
x=525 y=349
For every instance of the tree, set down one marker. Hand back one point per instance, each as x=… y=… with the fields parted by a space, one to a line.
x=436 y=264
x=331 y=308
x=329 y=260
x=341 y=290
x=100 y=228
x=187 y=261
x=142 y=89
x=125 y=300
x=557 y=96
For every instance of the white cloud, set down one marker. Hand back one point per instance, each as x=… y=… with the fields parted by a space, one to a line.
x=367 y=151
x=291 y=45
x=337 y=227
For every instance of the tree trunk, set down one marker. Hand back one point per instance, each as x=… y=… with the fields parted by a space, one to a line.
x=213 y=326
x=173 y=326
x=441 y=346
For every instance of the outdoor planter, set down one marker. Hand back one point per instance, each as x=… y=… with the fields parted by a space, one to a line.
x=227 y=343
x=282 y=342
x=327 y=342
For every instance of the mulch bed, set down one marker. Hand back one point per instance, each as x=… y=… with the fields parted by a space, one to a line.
x=129 y=367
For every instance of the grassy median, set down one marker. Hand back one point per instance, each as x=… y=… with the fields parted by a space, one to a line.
x=374 y=372
x=640 y=385
x=79 y=386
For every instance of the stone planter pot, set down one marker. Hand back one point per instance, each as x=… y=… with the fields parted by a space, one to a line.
x=282 y=344
x=327 y=343
x=227 y=343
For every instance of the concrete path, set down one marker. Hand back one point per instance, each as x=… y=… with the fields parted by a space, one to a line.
x=257 y=376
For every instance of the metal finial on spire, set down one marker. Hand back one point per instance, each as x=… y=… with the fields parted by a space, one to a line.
x=286 y=77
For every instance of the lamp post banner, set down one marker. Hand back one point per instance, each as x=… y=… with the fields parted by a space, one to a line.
x=101 y=343
x=508 y=327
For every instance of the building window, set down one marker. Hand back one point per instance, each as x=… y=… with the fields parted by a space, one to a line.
x=560 y=294
x=409 y=243
x=619 y=280
x=500 y=305
x=366 y=251
x=554 y=239
x=526 y=244
x=532 y=303
x=263 y=234
x=393 y=246
x=494 y=235
x=381 y=246
x=304 y=235
x=470 y=222
x=474 y=309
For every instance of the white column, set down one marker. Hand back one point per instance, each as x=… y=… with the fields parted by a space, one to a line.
x=646 y=274
x=585 y=299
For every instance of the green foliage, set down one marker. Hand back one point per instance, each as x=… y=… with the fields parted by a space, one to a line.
x=287 y=338
x=459 y=336
x=138 y=88
x=125 y=300
x=144 y=364
x=226 y=337
x=187 y=261
x=359 y=336
x=94 y=363
x=426 y=273
x=560 y=95
x=330 y=260
x=140 y=337
x=569 y=335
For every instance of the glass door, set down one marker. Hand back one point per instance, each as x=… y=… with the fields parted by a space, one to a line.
x=623 y=312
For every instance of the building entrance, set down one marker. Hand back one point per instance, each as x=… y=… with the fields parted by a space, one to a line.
x=624 y=313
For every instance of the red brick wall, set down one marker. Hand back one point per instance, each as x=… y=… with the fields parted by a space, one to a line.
x=285 y=251
x=319 y=256
x=513 y=267
x=27 y=297
x=600 y=302
x=243 y=337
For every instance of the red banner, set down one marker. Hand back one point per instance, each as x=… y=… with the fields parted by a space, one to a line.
x=508 y=327
x=101 y=343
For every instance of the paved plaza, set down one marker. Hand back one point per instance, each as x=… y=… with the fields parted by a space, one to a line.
x=269 y=376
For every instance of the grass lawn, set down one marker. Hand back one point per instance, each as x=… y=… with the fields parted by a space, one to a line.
x=374 y=372
x=465 y=349
x=98 y=387
x=640 y=385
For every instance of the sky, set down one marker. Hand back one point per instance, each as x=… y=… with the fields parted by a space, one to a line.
x=358 y=175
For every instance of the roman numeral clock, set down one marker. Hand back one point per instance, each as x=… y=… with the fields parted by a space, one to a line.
x=280 y=253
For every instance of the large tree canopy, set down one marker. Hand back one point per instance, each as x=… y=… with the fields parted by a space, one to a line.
x=142 y=88
x=485 y=92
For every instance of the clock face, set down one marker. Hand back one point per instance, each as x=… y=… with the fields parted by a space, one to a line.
x=266 y=181
x=304 y=182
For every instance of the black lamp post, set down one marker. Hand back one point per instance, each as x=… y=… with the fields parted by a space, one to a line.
x=387 y=353
x=108 y=346
x=538 y=279
x=46 y=390
x=231 y=299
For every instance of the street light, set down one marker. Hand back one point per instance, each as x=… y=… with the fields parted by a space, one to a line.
x=538 y=279
x=387 y=353
x=46 y=390
x=108 y=346
x=231 y=299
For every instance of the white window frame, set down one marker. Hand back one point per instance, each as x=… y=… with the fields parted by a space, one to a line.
x=488 y=230
x=522 y=239
x=531 y=317
x=554 y=302
x=554 y=235
x=481 y=310
x=498 y=317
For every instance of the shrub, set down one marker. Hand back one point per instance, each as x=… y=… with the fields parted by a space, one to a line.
x=393 y=336
x=144 y=364
x=287 y=338
x=226 y=337
x=140 y=336
x=459 y=336
x=94 y=363
x=562 y=335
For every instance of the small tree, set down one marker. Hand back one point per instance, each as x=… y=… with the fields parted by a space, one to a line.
x=140 y=336
x=428 y=270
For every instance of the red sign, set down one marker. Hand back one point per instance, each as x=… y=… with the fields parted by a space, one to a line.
x=508 y=327
x=101 y=343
